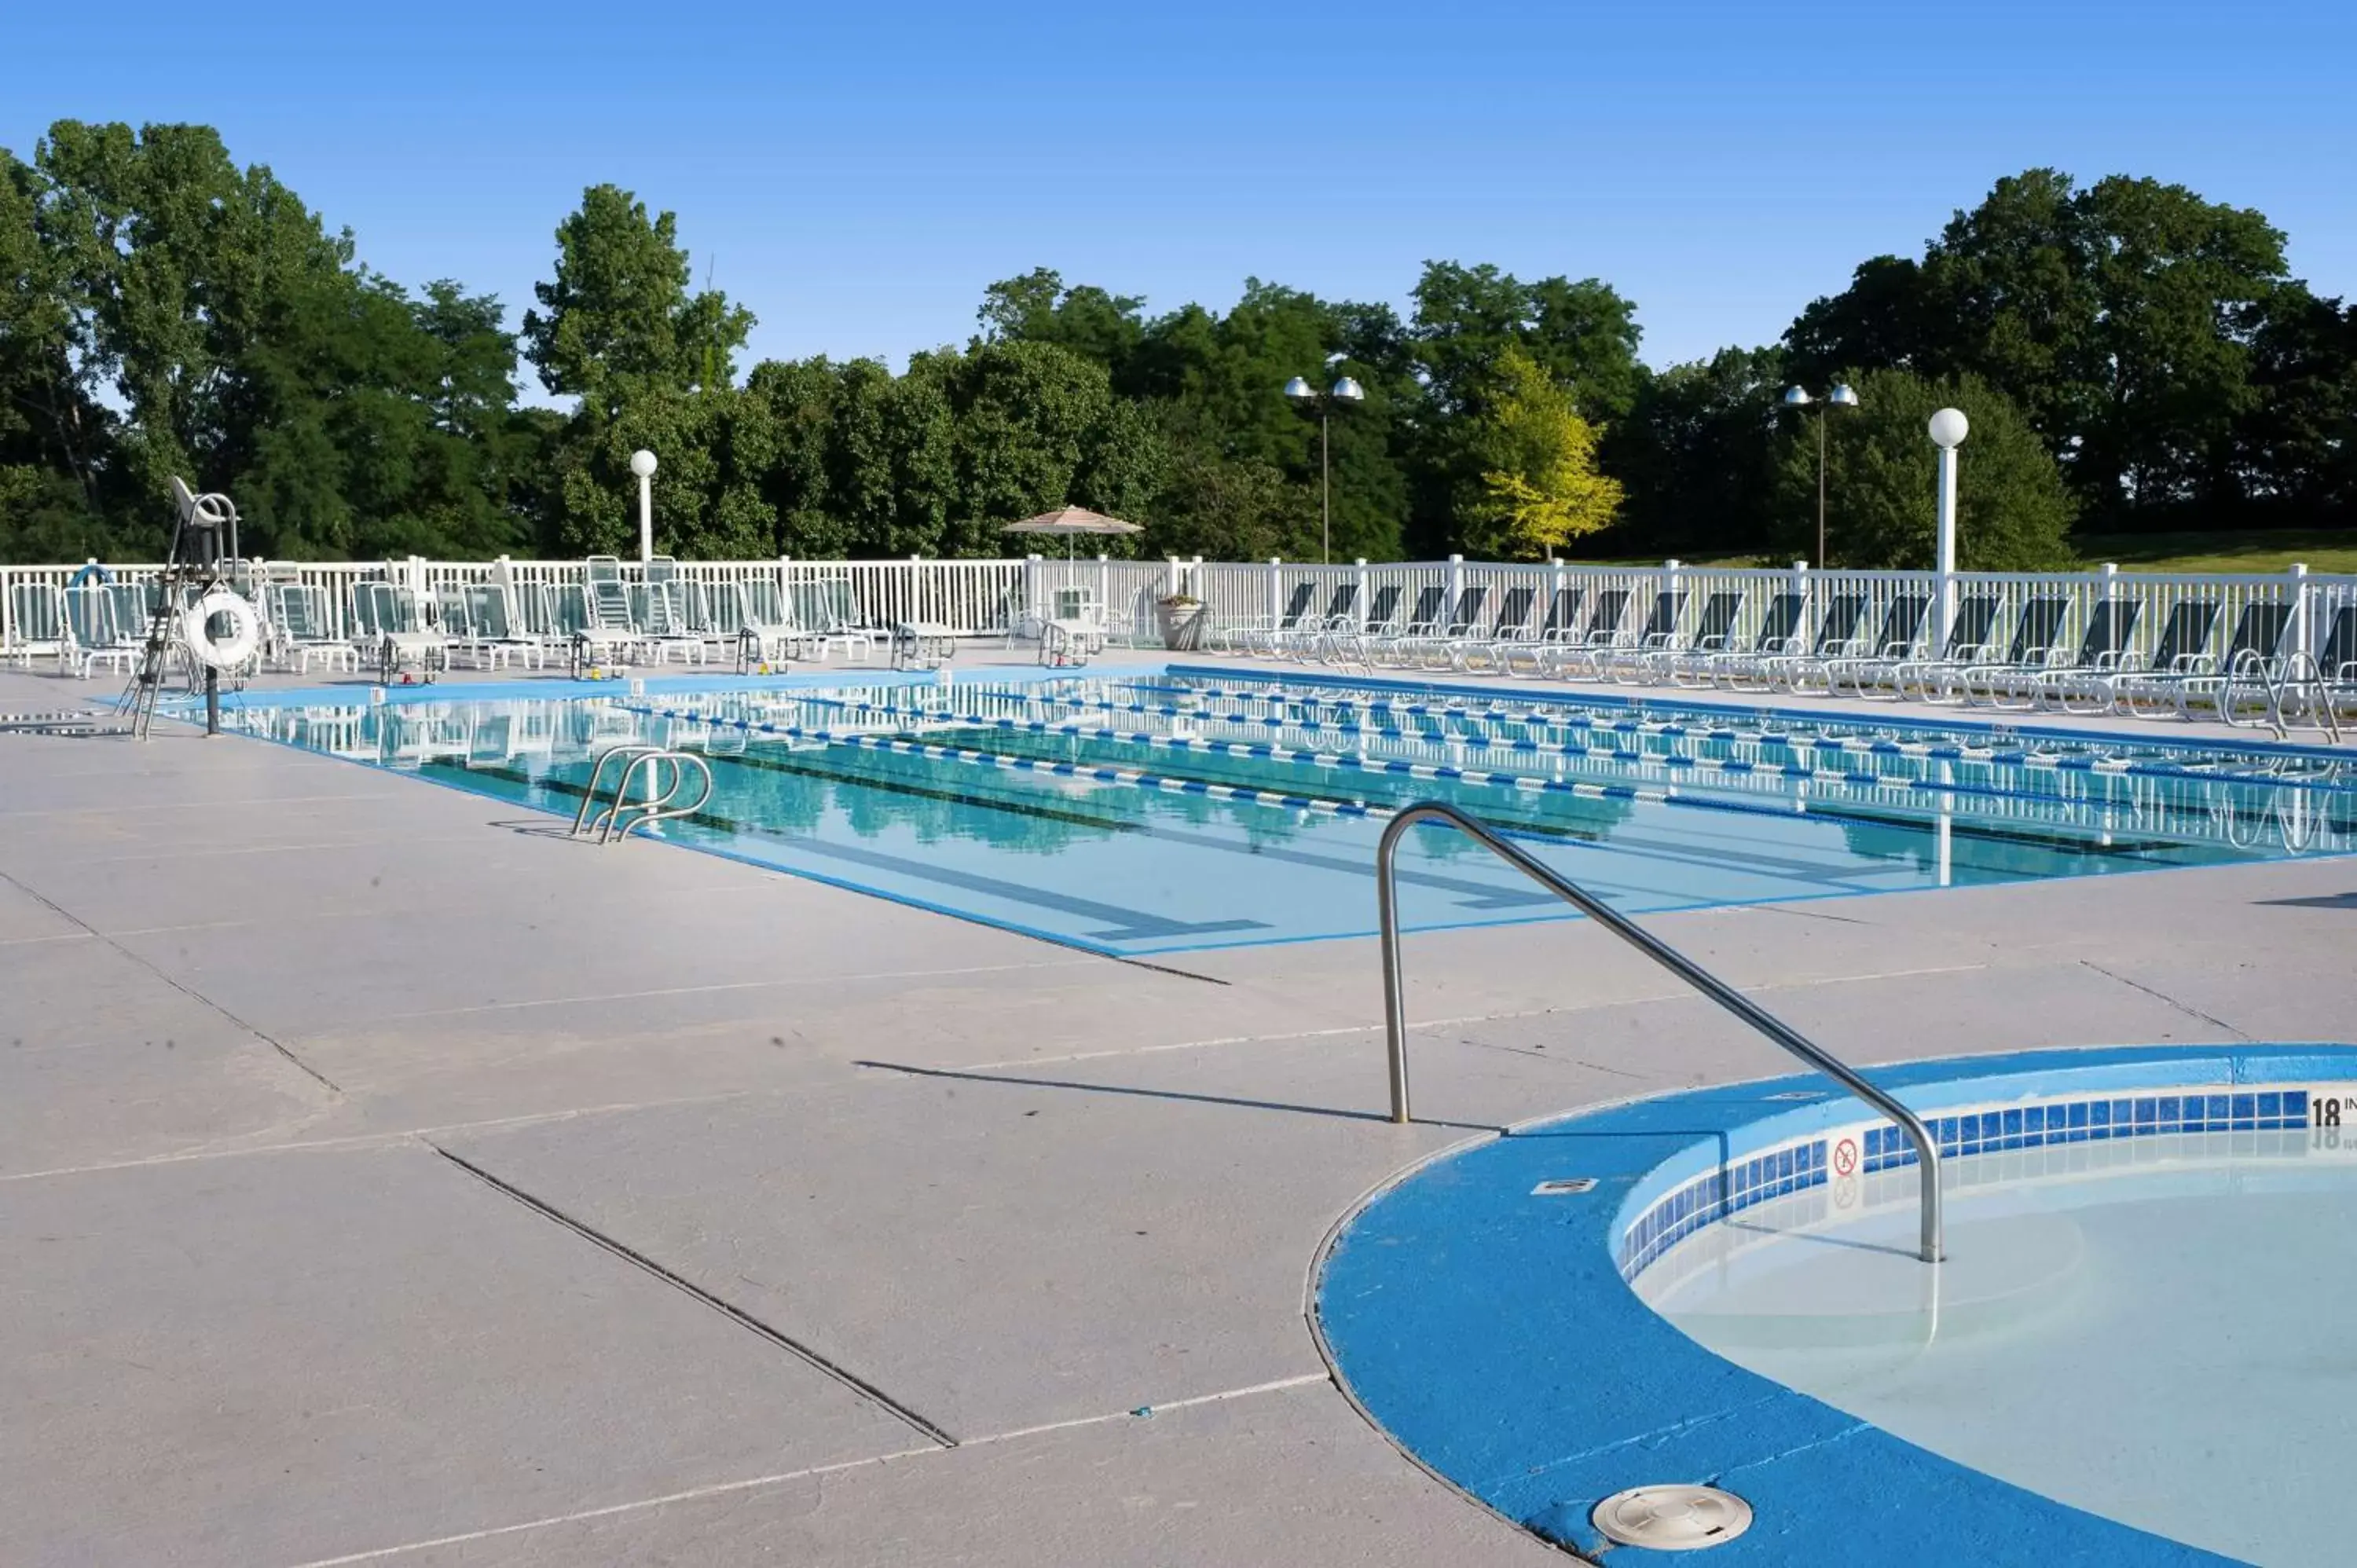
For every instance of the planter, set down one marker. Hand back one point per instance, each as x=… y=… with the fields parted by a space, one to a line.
x=1181 y=625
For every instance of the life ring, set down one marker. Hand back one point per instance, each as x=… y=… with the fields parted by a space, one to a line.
x=93 y=573
x=228 y=653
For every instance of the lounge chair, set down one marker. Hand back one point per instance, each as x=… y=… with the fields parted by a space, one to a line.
x=92 y=635
x=300 y=632
x=1560 y=627
x=2182 y=638
x=1580 y=655
x=1397 y=644
x=1295 y=641
x=1659 y=635
x=1253 y=636
x=1902 y=631
x=2253 y=657
x=1512 y=626
x=1970 y=641
x=1352 y=644
x=1690 y=664
x=2111 y=628
x=37 y=623
x=2039 y=640
x=1736 y=666
x=1435 y=650
x=394 y=622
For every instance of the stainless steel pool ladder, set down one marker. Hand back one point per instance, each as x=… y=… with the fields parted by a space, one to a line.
x=1927 y=1151
x=662 y=800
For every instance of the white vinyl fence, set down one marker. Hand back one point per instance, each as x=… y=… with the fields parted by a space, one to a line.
x=974 y=599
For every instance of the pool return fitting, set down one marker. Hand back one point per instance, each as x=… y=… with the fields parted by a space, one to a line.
x=1927 y=1151
x=661 y=800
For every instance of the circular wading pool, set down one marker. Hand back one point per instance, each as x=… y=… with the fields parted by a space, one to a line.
x=2135 y=1352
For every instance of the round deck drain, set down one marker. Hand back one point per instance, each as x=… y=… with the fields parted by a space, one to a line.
x=1673 y=1519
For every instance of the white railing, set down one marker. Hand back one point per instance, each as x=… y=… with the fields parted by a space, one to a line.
x=981 y=597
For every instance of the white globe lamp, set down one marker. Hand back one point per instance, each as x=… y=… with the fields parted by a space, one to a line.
x=642 y=464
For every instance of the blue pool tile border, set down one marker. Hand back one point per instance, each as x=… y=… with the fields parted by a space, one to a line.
x=1485 y=1321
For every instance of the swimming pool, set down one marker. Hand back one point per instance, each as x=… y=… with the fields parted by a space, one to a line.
x=1161 y=811
x=2134 y=1354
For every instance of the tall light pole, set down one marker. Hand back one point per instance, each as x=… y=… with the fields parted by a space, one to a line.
x=1839 y=397
x=642 y=464
x=1347 y=393
x=1949 y=428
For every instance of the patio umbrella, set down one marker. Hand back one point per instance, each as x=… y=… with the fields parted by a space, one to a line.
x=1071 y=521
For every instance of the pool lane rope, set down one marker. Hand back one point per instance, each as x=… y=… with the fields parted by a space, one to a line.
x=2015 y=757
x=1523 y=783
x=1138 y=778
x=1724 y=768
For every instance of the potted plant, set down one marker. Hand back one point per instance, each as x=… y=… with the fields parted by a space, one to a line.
x=1180 y=617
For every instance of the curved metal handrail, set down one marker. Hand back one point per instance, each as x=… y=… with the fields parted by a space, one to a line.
x=662 y=803
x=1927 y=1151
x=598 y=778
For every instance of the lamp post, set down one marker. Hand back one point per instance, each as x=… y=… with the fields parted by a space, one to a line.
x=642 y=464
x=1346 y=393
x=1949 y=428
x=1841 y=396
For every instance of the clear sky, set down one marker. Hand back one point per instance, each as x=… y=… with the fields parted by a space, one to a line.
x=858 y=172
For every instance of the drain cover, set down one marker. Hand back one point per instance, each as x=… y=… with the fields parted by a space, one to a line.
x=1563 y=1185
x=1673 y=1519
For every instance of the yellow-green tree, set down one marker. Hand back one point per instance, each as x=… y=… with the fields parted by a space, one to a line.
x=1539 y=487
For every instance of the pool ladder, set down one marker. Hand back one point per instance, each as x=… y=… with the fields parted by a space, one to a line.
x=1927 y=1150
x=663 y=798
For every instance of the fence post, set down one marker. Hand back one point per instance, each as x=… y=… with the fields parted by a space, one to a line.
x=1455 y=587
x=2298 y=597
x=1366 y=588
x=1276 y=589
x=1171 y=579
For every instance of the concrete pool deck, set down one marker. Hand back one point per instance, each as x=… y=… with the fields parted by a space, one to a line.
x=386 y=1180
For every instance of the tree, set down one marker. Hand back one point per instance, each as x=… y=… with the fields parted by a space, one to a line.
x=2120 y=316
x=2014 y=510
x=1696 y=455
x=618 y=318
x=1539 y=485
x=1584 y=335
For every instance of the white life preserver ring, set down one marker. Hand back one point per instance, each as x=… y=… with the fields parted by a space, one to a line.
x=228 y=653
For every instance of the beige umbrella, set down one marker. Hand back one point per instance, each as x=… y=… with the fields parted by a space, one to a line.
x=1071 y=521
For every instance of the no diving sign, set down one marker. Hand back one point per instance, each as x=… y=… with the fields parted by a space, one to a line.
x=1846 y=1157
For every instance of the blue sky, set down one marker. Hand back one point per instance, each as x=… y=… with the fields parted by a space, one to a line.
x=857 y=173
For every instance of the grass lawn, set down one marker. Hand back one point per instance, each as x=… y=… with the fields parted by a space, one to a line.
x=2324 y=551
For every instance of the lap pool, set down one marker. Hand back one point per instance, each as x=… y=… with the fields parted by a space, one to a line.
x=1157 y=812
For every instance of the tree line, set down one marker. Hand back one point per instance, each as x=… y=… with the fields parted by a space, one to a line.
x=2132 y=357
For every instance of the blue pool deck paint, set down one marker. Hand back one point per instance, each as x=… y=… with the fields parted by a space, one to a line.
x=1490 y=1333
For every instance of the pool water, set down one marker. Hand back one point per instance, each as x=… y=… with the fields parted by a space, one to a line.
x=2151 y=1330
x=1158 y=813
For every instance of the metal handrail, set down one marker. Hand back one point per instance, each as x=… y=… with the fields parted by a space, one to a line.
x=655 y=809
x=1927 y=1151
x=598 y=776
x=662 y=802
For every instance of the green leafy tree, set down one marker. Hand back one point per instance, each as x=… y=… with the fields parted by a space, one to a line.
x=1696 y=454
x=1539 y=487
x=2013 y=512
x=2121 y=317
x=617 y=319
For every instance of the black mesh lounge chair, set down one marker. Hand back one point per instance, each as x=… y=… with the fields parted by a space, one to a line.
x=2183 y=636
x=1560 y=627
x=1578 y=655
